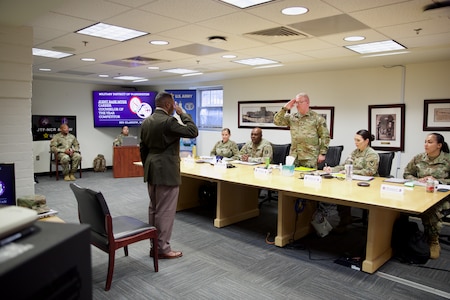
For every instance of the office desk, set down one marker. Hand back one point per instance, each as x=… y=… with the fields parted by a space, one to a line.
x=237 y=200
x=123 y=159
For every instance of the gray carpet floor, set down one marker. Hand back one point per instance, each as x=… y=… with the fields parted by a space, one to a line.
x=236 y=262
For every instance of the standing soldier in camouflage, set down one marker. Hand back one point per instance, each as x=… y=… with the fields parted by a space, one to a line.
x=309 y=134
x=256 y=150
x=434 y=164
x=225 y=147
x=65 y=145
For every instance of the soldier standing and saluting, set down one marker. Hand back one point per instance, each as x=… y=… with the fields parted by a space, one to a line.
x=309 y=133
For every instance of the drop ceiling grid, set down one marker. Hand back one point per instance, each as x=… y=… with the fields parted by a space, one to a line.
x=358 y=5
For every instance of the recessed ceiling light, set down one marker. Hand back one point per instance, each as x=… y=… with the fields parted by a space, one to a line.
x=257 y=61
x=50 y=53
x=131 y=78
x=385 y=54
x=153 y=68
x=103 y=75
x=245 y=3
x=140 y=80
x=88 y=59
x=376 y=47
x=217 y=39
x=294 y=10
x=229 y=56
x=354 y=38
x=45 y=70
x=192 y=74
x=179 y=71
x=111 y=32
x=159 y=43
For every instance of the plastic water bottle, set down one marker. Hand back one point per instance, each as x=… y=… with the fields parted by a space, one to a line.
x=349 y=170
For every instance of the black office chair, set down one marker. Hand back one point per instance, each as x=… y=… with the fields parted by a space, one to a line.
x=279 y=157
x=445 y=238
x=333 y=157
x=240 y=145
x=108 y=233
x=385 y=164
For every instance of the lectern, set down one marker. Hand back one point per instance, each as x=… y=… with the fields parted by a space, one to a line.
x=124 y=158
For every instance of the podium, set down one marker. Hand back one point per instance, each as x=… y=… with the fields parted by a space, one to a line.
x=123 y=159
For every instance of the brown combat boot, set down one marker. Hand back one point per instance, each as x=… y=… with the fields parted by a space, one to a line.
x=435 y=248
x=72 y=177
x=67 y=177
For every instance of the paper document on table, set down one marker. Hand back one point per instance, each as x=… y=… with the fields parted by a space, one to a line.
x=304 y=169
x=396 y=180
x=251 y=163
x=361 y=177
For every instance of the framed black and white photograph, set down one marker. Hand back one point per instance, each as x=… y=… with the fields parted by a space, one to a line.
x=387 y=123
x=327 y=112
x=259 y=113
x=436 y=115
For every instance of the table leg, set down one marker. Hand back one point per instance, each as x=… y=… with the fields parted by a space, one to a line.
x=379 y=233
x=235 y=203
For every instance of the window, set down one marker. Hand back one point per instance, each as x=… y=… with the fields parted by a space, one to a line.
x=210 y=108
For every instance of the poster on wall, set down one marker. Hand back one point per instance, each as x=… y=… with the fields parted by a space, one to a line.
x=44 y=127
x=187 y=100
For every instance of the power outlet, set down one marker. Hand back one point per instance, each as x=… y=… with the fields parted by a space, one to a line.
x=38 y=157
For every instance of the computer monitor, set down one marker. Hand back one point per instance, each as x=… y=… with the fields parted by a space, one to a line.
x=7 y=184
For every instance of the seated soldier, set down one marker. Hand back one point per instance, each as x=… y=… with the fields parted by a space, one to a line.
x=65 y=145
x=256 y=150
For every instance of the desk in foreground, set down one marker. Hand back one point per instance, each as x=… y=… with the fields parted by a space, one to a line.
x=237 y=200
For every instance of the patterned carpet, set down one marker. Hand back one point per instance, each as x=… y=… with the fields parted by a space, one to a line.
x=236 y=262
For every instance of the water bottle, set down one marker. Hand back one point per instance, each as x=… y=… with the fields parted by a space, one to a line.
x=348 y=170
x=430 y=185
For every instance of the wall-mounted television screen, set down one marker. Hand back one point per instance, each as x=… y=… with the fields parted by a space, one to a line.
x=7 y=184
x=122 y=108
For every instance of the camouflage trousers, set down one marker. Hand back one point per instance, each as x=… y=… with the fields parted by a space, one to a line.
x=309 y=163
x=432 y=219
x=69 y=164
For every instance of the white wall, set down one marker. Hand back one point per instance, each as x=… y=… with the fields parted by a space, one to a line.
x=349 y=91
x=15 y=104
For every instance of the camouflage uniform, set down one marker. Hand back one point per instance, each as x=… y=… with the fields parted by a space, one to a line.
x=257 y=153
x=364 y=162
x=421 y=166
x=309 y=136
x=59 y=144
x=228 y=149
x=119 y=140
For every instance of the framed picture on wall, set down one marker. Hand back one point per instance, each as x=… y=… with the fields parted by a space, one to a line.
x=436 y=115
x=327 y=112
x=387 y=124
x=259 y=113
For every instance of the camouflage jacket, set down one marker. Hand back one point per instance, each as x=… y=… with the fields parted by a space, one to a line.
x=257 y=153
x=119 y=140
x=228 y=149
x=309 y=133
x=364 y=162
x=60 y=143
x=421 y=166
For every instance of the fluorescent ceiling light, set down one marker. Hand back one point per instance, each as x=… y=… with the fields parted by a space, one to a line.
x=153 y=68
x=103 y=75
x=111 y=32
x=385 y=54
x=257 y=61
x=45 y=70
x=376 y=47
x=159 y=42
x=355 y=38
x=88 y=59
x=229 y=56
x=179 y=71
x=294 y=11
x=140 y=80
x=131 y=78
x=268 y=66
x=192 y=74
x=50 y=53
x=245 y=3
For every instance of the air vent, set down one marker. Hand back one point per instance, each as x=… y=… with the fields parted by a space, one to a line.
x=276 y=35
x=136 y=61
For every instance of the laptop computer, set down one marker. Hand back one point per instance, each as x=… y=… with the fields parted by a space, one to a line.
x=129 y=141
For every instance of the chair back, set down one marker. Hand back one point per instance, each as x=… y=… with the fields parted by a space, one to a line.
x=333 y=157
x=385 y=164
x=240 y=145
x=92 y=208
x=280 y=152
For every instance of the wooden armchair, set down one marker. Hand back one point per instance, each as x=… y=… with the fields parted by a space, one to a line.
x=55 y=162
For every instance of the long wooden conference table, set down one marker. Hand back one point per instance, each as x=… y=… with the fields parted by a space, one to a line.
x=237 y=200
